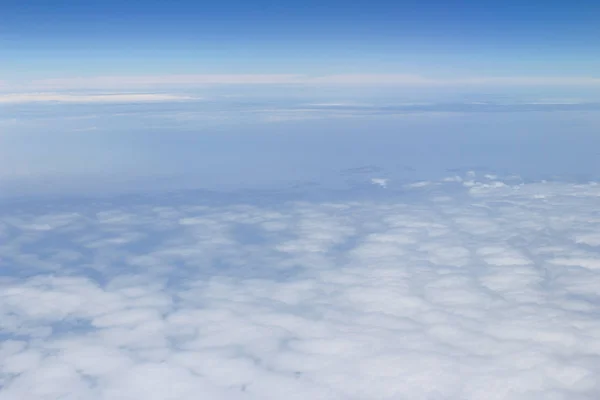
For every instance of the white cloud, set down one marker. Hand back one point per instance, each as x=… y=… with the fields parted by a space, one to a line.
x=489 y=292
x=145 y=82
x=383 y=182
x=371 y=79
x=526 y=81
x=118 y=82
x=90 y=98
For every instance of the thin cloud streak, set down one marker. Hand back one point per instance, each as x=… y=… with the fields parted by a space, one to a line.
x=140 y=82
x=19 y=98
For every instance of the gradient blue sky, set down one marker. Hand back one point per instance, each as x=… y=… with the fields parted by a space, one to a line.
x=64 y=38
x=243 y=93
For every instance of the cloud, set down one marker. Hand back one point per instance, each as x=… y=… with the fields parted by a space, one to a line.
x=524 y=81
x=469 y=288
x=18 y=98
x=371 y=79
x=117 y=82
x=383 y=182
x=198 y=80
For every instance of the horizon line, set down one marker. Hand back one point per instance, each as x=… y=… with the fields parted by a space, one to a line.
x=153 y=81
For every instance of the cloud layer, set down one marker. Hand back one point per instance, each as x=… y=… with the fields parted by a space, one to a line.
x=471 y=288
x=195 y=80
x=18 y=98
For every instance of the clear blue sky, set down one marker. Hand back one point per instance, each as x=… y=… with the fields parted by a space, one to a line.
x=63 y=38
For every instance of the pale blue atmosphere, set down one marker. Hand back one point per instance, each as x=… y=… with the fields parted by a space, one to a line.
x=259 y=200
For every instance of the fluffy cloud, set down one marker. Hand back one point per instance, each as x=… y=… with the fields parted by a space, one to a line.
x=464 y=289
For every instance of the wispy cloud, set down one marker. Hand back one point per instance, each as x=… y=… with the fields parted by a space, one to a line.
x=117 y=82
x=16 y=98
x=141 y=82
x=525 y=81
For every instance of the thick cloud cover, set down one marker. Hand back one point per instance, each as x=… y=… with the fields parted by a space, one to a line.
x=469 y=288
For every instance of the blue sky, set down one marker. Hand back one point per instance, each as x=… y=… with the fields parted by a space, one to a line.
x=42 y=39
x=116 y=89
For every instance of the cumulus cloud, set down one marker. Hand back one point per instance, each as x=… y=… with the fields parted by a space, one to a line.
x=468 y=288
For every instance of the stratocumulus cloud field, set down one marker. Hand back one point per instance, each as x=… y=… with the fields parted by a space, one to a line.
x=473 y=287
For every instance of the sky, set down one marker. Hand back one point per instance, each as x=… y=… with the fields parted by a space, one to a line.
x=440 y=39
x=89 y=80
x=253 y=200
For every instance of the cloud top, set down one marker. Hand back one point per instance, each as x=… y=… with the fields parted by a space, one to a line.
x=482 y=289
